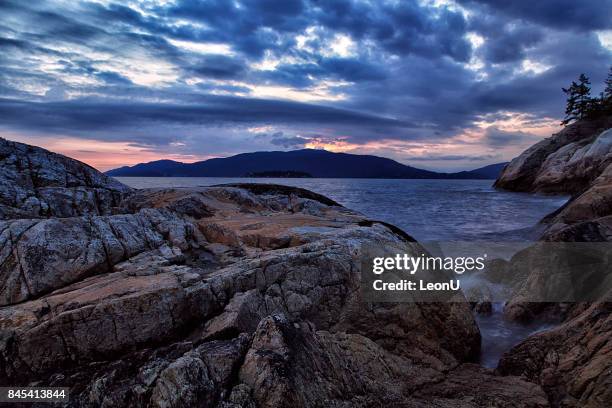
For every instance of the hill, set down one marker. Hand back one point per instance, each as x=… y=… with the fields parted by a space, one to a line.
x=491 y=171
x=317 y=163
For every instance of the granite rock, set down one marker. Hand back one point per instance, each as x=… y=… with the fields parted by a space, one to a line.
x=36 y=183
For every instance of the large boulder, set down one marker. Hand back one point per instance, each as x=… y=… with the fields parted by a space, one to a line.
x=575 y=161
x=38 y=256
x=36 y=183
x=296 y=365
x=565 y=163
x=586 y=218
x=573 y=361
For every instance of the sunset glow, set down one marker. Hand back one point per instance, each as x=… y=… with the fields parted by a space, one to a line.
x=100 y=154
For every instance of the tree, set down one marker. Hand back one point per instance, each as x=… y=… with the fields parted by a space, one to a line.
x=579 y=101
x=584 y=101
x=570 y=106
x=607 y=93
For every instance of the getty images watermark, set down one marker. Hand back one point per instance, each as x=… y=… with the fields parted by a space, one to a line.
x=498 y=272
x=425 y=263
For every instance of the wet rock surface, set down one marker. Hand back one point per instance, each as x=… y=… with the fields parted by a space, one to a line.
x=572 y=361
x=229 y=296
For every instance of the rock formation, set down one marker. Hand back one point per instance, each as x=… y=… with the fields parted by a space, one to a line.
x=565 y=163
x=36 y=183
x=576 y=161
x=228 y=296
x=588 y=216
x=573 y=361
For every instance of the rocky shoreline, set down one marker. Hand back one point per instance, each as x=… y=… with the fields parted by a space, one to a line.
x=576 y=161
x=231 y=296
x=241 y=296
x=573 y=361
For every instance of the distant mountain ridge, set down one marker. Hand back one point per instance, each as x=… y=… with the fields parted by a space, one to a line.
x=317 y=163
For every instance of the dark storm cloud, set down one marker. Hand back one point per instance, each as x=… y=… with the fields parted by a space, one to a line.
x=561 y=14
x=510 y=44
x=352 y=69
x=53 y=24
x=295 y=75
x=402 y=27
x=417 y=33
x=398 y=70
x=245 y=25
x=540 y=93
x=499 y=138
x=219 y=66
x=7 y=43
x=92 y=115
x=279 y=139
x=347 y=69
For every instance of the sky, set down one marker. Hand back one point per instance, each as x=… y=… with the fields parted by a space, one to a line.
x=437 y=84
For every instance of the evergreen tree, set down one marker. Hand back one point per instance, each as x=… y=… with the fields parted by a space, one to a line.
x=584 y=102
x=579 y=101
x=607 y=93
x=570 y=106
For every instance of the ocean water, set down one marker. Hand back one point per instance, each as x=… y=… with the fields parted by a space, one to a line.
x=429 y=210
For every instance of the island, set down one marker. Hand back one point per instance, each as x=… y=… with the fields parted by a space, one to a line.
x=279 y=174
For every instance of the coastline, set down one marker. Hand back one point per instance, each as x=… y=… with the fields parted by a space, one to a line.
x=262 y=274
x=236 y=280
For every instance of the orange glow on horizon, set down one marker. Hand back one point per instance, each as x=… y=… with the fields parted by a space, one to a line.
x=469 y=144
x=102 y=155
x=336 y=146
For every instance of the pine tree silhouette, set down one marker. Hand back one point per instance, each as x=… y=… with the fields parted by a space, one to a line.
x=570 y=106
x=607 y=93
x=579 y=101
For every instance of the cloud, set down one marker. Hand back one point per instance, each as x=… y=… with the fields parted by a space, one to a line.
x=193 y=71
x=559 y=14
x=82 y=117
x=454 y=157
x=496 y=137
x=113 y=78
x=279 y=139
x=219 y=66
x=511 y=44
x=352 y=69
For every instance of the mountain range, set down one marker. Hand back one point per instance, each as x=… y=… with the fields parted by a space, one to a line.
x=313 y=162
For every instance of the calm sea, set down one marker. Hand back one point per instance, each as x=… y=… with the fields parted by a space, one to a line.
x=429 y=210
